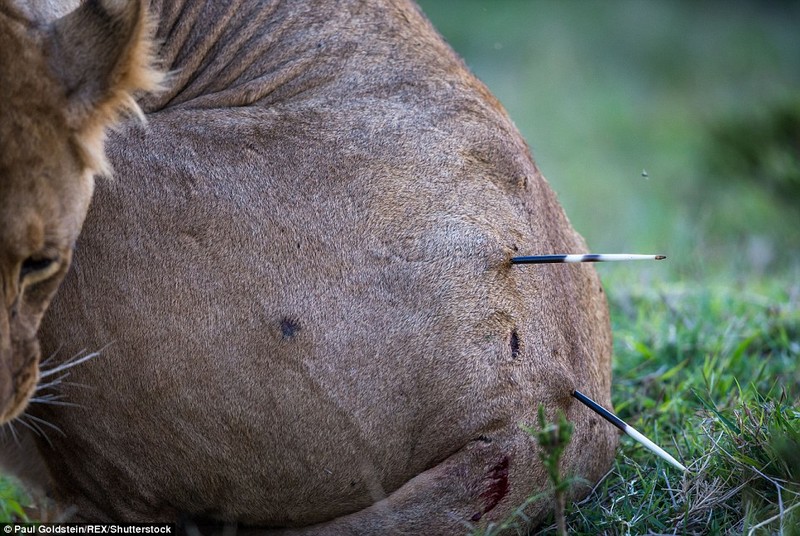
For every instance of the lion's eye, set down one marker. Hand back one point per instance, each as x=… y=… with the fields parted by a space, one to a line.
x=38 y=268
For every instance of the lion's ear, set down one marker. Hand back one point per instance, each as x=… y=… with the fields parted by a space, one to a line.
x=103 y=54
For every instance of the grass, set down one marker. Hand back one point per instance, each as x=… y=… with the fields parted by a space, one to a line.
x=712 y=376
x=13 y=501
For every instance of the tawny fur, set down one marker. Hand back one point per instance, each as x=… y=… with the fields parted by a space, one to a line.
x=299 y=276
x=127 y=70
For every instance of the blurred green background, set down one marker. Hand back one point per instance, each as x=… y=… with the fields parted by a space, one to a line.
x=667 y=127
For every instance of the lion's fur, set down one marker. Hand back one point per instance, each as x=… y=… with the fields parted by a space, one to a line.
x=82 y=59
x=300 y=278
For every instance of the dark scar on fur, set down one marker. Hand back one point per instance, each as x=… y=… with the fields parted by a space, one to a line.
x=289 y=328
x=514 y=344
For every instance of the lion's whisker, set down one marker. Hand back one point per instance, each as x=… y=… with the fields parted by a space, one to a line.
x=49 y=396
x=68 y=364
x=35 y=428
x=50 y=357
x=32 y=426
x=29 y=426
x=54 y=383
x=36 y=420
x=10 y=427
x=54 y=402
x=58 y=385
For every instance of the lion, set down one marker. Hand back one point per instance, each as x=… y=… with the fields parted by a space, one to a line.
x=294 y=279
